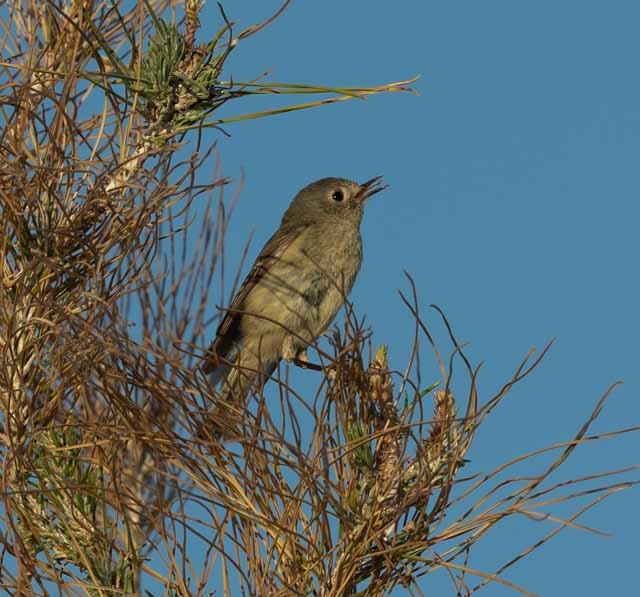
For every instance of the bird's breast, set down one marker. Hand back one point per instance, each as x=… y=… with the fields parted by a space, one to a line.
x=303 y=290
x=334 y=265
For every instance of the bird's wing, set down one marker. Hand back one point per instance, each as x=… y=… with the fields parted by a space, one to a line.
x=226 y=334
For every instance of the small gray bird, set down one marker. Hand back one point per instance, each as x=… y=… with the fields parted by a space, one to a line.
x=296 y=286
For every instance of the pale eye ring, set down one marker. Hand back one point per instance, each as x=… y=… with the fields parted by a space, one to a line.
x=337 y=195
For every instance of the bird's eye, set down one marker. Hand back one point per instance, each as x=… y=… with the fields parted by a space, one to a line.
x=337 y=196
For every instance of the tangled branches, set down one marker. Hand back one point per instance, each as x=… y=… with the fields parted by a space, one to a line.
x=110 y=247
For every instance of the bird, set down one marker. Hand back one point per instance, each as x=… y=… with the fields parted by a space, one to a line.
x=293 y=291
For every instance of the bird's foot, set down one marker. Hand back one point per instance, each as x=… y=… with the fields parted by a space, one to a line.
x=302 y=361
x=298 y=356
x=289 y=351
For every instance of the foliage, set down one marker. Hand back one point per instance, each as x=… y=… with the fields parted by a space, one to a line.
x=109 y=248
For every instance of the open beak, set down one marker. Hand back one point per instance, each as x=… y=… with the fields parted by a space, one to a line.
x=371 y=187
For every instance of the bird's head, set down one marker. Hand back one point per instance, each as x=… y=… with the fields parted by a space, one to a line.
x=332 y=198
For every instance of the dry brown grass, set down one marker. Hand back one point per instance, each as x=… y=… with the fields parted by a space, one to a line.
x=105 y=488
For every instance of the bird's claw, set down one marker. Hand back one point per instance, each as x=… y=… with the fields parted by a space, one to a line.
x=298 y=356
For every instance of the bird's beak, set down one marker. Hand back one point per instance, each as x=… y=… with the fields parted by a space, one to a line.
x=369 y=188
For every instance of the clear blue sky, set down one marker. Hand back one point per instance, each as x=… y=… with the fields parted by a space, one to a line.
x=514 y=203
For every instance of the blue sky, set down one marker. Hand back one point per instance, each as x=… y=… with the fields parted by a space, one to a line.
x=513 y=203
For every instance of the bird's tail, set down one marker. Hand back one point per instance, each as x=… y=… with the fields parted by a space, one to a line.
x=224 y=420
